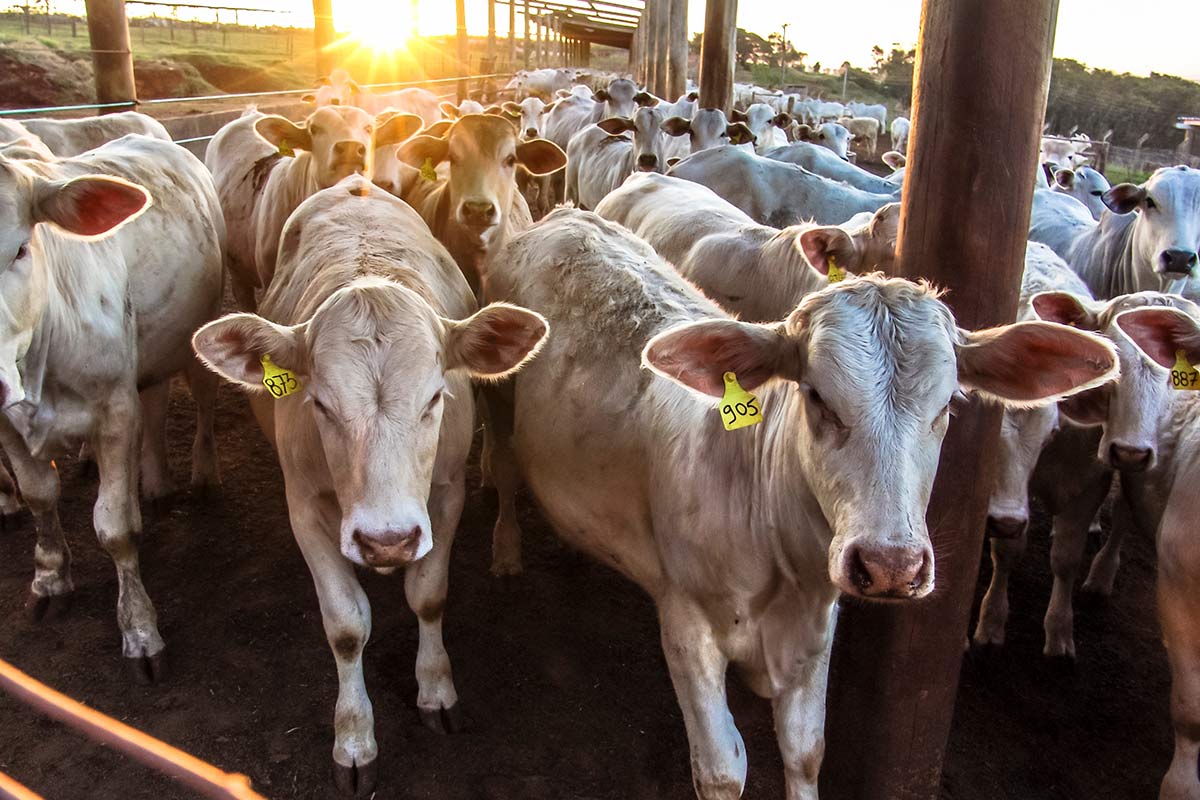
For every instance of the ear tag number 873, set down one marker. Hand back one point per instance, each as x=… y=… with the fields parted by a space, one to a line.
x=1184 y=377
x=279 y=382
x=739 y=408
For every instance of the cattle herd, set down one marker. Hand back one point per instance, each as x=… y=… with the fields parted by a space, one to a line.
x=587 y=270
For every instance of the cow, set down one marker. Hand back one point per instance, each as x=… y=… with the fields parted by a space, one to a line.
x=114 y=259
x=900 y=130
x=824 y=162
x=765 y=124
x=529 y=118
x=264 y=166
x=708 y=127
x=71 y=137
x=1084 y=184
x=875 y=111
x=754 y=271
x=1149 y=241
x=379 y=335
x=1168 y=508
x=864 y=135
x=615 y=428
x=1062 y=153
x=452 y=111
x=599 y=158
x=472 y=205
x=541 y=83
x=774 y=193
x=833 y=136
x=1057 y=220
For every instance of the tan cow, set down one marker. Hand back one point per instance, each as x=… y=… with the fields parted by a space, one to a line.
x=745 y=538
x=380 y=334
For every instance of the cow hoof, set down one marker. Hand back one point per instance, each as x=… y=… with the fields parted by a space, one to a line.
x=148 y=670
x=47 y=608
x=444 y=720
x=356 y=781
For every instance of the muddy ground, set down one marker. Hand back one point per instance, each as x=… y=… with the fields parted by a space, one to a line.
x=560 y=672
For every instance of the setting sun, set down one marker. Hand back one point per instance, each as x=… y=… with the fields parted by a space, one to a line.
x=380 y=26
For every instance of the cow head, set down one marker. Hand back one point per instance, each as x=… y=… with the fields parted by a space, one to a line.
x=527 y=116
x=1084 y=184
x=1166 y=234
x=648 y=142
x=483 y=152
x=35 y=213
x=863 y=248
x=1132 y=409
x=618 y=98
x=340 y=140
x=833 y=136
x=374 y=364
x=871 y=367
x=707 y=128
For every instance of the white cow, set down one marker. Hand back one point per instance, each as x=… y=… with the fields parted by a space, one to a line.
x=89 y=324
x=825 y=162
x=708 y=127
x=833 y=136
x=765 y=124
x=71 y=137
x=541 y=83
x=452 y=111
x=754 y=271
x=635 y=469
x=265 y=166
x=1057 y=220
x=380 y=333
x=1084 y=184
x=900 y=130
x=875 y=111
x=825 y=111
x=529 y=117
x=774 y=193
x=473 y=205
x=1064 y=153
x=340 y=89
x=600 y=158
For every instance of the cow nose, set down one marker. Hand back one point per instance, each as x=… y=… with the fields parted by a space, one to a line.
x=898 y=572
x=1180 y=262
x=1005 y=527
x=479 y=212
x=1129 y=459
x=391 y=548
x=350 y=151
x=648 y=162
x=531 y=133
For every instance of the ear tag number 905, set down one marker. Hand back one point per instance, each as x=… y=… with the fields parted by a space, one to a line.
x=279 y=382
x=1184 y=377
x=739 y=408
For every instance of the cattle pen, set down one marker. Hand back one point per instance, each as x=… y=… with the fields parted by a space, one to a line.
x=565 y=689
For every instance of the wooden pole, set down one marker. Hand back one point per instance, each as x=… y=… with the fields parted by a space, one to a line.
x=896 y=668
x=677 y=51
x=323 y=36
x=491 y=40
x=512 y=34
x=656 y=39
x=464 y=48
x=717 y=51
x=112 y=51
x=541 y=42
x=635 y=50
x=528 y=39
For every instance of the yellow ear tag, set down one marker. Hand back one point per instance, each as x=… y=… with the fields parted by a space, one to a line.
x=739 y=408
x=286 y=150
x=427 y=170
x=1184 y=378
x=836 y=273
x=279 y=382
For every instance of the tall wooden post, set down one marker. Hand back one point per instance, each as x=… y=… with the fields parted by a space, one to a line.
x=464 y=48
x=982 y=73
x=717 y=52
x=512 y=34
x=657 y=37
x=112 y=52
x=635 y=49
x=677 y=50
x=323 y=36
x=491 y=42
x=525 y=53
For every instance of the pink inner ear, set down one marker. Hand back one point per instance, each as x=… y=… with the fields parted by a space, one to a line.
x=1058 y=307
x=1086 y=408
x=99 y=207
x=1159 y=332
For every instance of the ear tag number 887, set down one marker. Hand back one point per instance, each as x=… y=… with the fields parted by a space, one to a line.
x=1184 y=377
x=279 y=382
x=739 y=408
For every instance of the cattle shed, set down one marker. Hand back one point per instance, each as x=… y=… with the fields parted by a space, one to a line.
x=1191 y=135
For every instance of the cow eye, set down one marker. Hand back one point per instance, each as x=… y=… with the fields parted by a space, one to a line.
x=511 y=161
x=370 y=130
x=321 y=408
x=22 y=251
x=1097 y=193
x=432 y=405
x=827 y=414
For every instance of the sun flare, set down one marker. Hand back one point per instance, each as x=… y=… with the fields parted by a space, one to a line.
x=380 y=26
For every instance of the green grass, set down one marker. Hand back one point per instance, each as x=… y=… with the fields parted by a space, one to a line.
x=1119 y=174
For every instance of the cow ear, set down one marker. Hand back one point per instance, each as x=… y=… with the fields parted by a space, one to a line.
x=828 y=242
x=782 y=120
x=693 y=96
x=541 y=156
x=90 y=205
x=511 y=109
x=1065 y=308
x=1124 y=198
x=311 y=99
x=1161 y=332
x=672 y=161
x=439 y=129
x=645 y=100
x=894 y=159
x=615 y=126
x=1086 y=409
x=563 y=93
x=494 y=341
x=739 y=133
x=493 y=111
x=449 y=109
x=676 y=126
x=1028 y=363
x=281 y=132
x=396 y=128
x=600 y=95
x=416 y=150
x=698 y=354
x=737 y=116
x=1065 y=178
x=234 y=345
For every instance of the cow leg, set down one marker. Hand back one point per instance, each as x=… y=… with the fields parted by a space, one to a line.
x=1066 y=553
x=800 y=725
x=697 y=668
x=425 y=584
x=346 y=617
x=156 y=475
x=1103 y=572
x=506 y=476
x=243 y=292
x=206 y=472
x=118 y=519
x=1178 y=610
x=993 y=612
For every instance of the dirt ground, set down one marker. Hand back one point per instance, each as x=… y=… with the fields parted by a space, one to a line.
x=560 y=672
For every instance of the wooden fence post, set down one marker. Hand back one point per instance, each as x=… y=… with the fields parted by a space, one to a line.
x=112 y=51
x=717 y=51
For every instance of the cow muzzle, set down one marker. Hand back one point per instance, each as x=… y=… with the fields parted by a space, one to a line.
x=478 y=213
x=389 y=548
x=1128 y=458
x=1177 y=262
x=531 y=133
x=885 y=572
x=647 y=163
